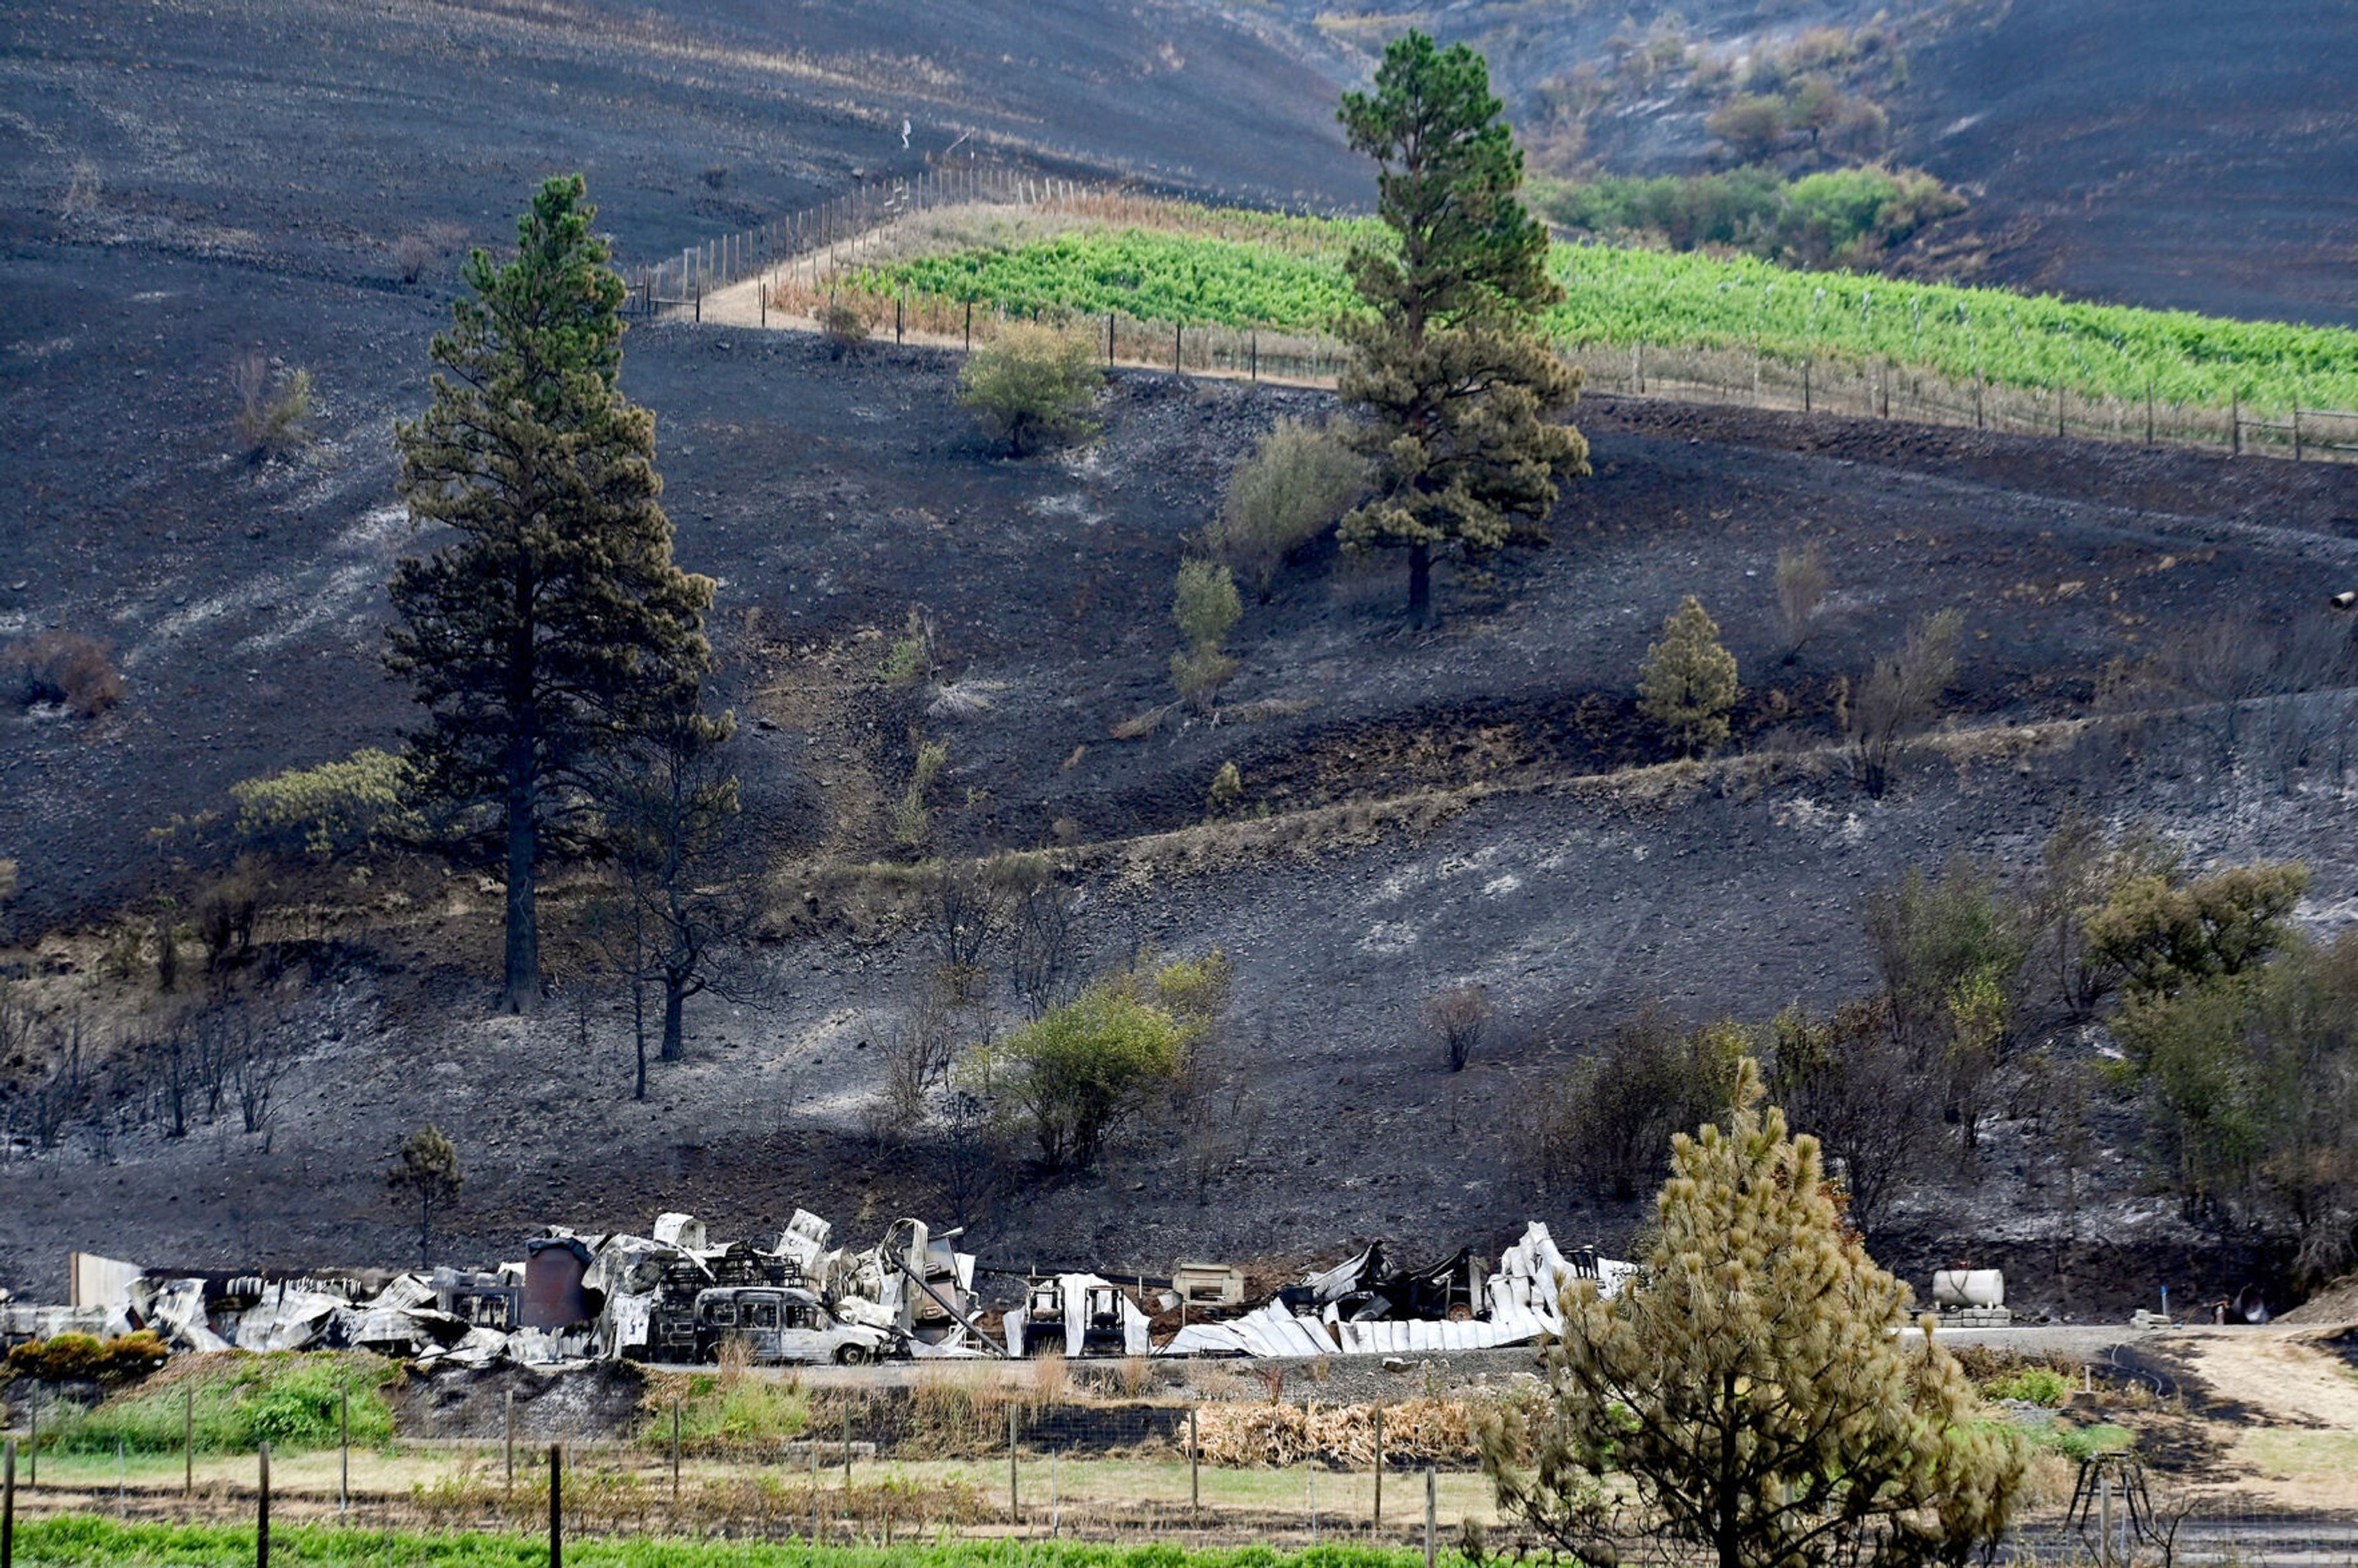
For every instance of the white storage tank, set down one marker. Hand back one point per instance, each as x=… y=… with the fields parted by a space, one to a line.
x=1969 y=1288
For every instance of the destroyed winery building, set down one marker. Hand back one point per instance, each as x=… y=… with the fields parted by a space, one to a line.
x=673 y=1295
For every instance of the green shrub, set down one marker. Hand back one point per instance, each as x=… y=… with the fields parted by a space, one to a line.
x=274 y=412
x=912 y=818
x=724 y=1411
x=335 y=808
x=1206 y=607
x=1297 y=482
x=1086 y=1068
x=289 y=1399
x=1032 y=385
x=2032 y=1385
x=2162 y=935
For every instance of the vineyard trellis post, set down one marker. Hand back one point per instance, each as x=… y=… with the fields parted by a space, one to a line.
x=1376 y=1522
x=2235 y=423
x=1805 y=385
x=1431 y=1511
x=262 y=1508
x=2296 y=432
x=556 y=1505
x=2149 y=411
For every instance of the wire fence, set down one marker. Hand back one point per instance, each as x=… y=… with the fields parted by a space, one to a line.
x=863 y=1476
x=865 y=1471
x=824 y=257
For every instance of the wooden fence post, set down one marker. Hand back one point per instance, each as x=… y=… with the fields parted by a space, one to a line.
x=2296 y=432
x=262 y=1512
x=1014 y=1509
x=556 y=1505
x=188 y=1443
x=969 y=326
x=1109 y=340
x=2149 y=411
x=507 y=1433
x=1177 y=369
x=2235 y=423
x=344 y=1439
x=1431 y=1511
x=1195 y=1470
x=1805 y=386
x=8 y=1503
x=675 y=1453
x=1377 y=1524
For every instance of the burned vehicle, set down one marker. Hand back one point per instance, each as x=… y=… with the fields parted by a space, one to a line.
x=783 y=1326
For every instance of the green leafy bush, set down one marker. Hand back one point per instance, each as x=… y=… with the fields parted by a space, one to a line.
x=1297 y=483
x=1033 y=384
x=2032 y=1385
x=335 y=808
x=1088 y=1066
x=238 y=1400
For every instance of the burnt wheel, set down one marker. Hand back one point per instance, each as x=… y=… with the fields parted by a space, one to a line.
x=851 y=1356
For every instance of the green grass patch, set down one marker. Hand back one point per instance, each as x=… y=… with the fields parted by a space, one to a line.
x=1287 y=274
x=2032 y=1385
x=2081 y=1443
x=721 y=1412
x=78 y=1541
x=287 y=1399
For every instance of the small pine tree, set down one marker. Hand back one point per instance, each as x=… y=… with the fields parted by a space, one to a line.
x=1688 y=682
x=1205 y=607
x=1751 y=1385
x=429 y=1176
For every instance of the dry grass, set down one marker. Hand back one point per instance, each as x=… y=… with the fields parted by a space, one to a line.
x=1416 y=1432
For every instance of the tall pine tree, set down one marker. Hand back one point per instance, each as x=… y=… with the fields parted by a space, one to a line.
x=1457 y=391
x=555 y=627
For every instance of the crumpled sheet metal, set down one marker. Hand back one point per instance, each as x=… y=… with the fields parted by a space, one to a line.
x=1524 y=1295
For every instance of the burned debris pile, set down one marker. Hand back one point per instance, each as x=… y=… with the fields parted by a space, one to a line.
x=674 y=1295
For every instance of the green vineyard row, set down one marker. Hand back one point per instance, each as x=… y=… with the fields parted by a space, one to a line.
x=1294 y=281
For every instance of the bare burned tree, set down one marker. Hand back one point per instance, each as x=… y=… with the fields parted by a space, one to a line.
x=964 y=901
x=969 y=1157
x=1801 y=583
x=1044 y=942
x=1900 y=695
x=1851 y=1082
x=1458 y=1018
x=918 y=1049
x=686 y=881
x=261 y=1063
x=1224 y=1117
